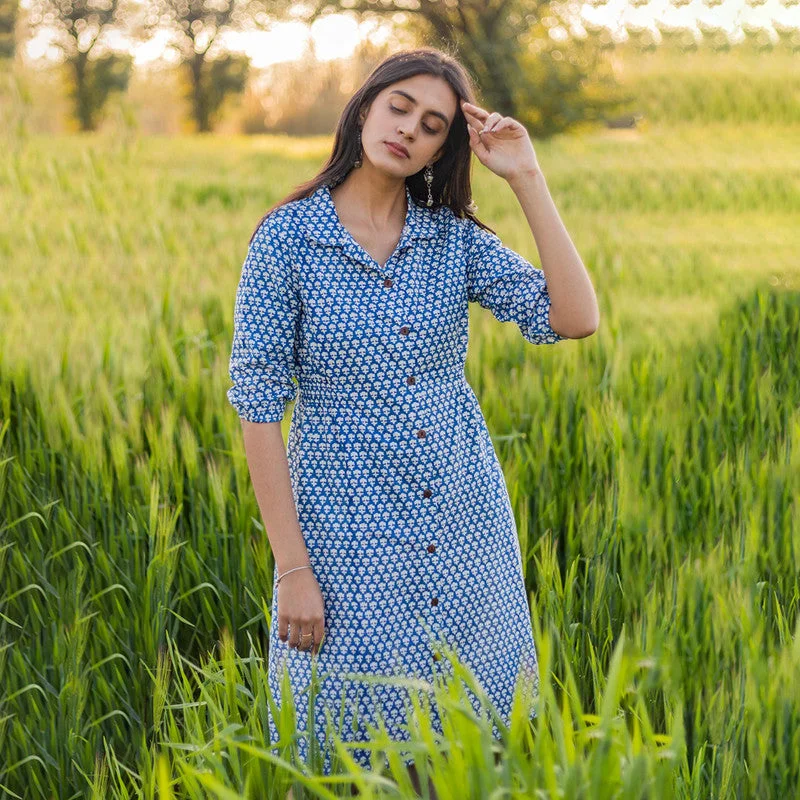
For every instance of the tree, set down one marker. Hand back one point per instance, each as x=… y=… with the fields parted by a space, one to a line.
x=81 y=26
x=210 y=75
x=568 y=80
x=9 y=10
x=507 y=47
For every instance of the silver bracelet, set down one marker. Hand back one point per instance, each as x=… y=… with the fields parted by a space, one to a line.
x=293 y=569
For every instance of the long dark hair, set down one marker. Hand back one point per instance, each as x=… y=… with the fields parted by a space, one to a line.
x=451 y=172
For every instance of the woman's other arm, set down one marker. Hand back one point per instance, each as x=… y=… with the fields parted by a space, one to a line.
x=269 y=472
x=301 y=603
x=262 y=369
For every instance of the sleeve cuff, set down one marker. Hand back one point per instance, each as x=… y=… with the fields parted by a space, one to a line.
x=257 y=409
x=544 y=333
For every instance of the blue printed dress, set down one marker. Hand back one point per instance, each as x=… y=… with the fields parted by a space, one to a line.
x=400 y=496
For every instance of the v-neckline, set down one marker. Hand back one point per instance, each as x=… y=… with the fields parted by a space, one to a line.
x=349 y=236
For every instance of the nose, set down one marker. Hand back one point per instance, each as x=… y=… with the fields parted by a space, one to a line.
x=402 y=131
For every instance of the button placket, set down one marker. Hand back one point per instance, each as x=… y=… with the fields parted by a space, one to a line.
x=426 y=495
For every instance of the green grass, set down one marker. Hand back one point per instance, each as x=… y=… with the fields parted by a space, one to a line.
x=654 y=471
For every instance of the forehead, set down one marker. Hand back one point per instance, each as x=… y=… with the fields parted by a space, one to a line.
x=428 y=92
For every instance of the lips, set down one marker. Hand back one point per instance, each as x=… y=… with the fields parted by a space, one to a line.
x=398 y=149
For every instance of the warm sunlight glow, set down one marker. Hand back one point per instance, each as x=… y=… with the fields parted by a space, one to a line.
x=337 y=35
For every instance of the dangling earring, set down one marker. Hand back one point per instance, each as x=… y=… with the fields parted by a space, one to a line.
x=358 y=162
x=428 y=175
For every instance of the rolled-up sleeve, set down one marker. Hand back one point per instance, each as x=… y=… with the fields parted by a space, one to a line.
x=262 y=363
x=501 y=280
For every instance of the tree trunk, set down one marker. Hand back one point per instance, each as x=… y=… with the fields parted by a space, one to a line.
x=84 y=112
x=200 y=110
x=487 y=53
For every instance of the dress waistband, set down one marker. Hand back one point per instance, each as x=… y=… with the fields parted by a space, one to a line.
x=386 y=386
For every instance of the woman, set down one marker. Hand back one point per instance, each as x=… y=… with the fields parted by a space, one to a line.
x=387 y=513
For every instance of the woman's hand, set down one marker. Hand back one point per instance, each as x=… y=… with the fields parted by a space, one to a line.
x=301 y=608
x=501 y=143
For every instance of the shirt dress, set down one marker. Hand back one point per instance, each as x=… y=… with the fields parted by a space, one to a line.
x=400 y=496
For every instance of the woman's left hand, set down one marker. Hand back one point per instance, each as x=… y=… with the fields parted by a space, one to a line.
x=501 y=143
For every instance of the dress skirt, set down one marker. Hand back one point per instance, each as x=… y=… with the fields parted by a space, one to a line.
x=411 y=537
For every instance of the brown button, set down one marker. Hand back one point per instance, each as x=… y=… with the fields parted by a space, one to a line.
x=404 y=330
x=437 y=656
x=427 y=493
x=388 y=283
x=435 y=601
x=420 y=434
x=431 y=548
x=411 y=380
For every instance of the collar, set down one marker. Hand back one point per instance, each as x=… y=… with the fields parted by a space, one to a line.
x=323 y=224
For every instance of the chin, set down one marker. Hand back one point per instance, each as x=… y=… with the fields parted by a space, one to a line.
x=391 y=168
x=392 y=164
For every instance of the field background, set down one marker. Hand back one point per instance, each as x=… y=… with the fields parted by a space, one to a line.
x=654 y=468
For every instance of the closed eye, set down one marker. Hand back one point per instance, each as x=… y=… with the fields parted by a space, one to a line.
x=401 y=111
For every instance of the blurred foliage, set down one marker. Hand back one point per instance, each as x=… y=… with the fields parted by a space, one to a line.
x=306 y=96
x=705 y=84
x=568 y=84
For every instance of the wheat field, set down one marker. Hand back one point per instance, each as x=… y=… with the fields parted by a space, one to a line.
x=654 y=469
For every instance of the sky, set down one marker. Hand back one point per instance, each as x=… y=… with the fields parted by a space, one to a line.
x=336 y=36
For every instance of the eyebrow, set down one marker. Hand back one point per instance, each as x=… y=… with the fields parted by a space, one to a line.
x=413 y=100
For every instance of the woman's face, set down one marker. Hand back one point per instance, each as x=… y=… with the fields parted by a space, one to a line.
x=416 y=113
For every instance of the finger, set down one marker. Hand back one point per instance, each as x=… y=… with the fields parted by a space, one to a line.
x=476 y=144
x=311 y=627
x=477 y=122
x=323 y=632
x=475 y=111
x=503 y=125
x=283 y=628
x=304 y=640
x=473 y=118
x=474 y=136
x=491 y=121
x=294 y=634
x=319 y=630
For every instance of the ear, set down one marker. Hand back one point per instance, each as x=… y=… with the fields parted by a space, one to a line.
x=363 y=112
